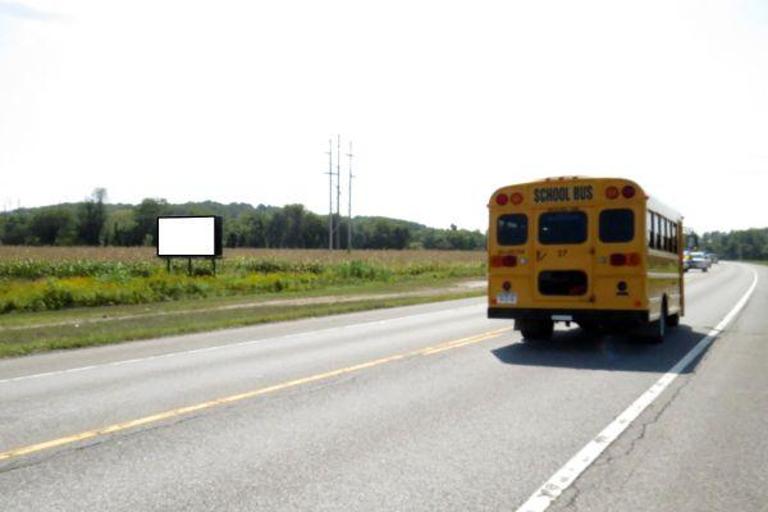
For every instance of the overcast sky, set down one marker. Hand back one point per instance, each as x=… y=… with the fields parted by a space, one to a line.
x=444 y=101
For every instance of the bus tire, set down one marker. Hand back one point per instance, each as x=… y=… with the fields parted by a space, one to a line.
x=673 y=320
x=659 y=327
x=591 y=329
x=537 y=330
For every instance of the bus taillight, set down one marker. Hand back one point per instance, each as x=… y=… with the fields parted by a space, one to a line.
x=618 y=259
x=510 y=260
x=611 y=192
x=502 y=199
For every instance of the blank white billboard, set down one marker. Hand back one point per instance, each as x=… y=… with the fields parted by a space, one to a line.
x=186 y=236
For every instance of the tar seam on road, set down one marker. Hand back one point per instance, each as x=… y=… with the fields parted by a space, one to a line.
x=225 y=346
x=564 y=477
x=181 y=411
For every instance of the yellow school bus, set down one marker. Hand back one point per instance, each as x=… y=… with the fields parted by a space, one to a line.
x=598 y=252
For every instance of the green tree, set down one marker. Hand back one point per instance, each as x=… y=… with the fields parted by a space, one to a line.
x=51 y=226
x=15 y=228
x=121 y=227
x=145 y=216
x=91 y=218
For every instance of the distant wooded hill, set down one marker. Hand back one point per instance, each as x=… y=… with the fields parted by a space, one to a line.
x=94 y=222
x=748 y=244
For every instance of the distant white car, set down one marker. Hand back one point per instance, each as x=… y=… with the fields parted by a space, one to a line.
x=698 y=260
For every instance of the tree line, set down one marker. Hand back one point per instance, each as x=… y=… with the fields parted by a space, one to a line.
x=95 y=222
x=749 y=244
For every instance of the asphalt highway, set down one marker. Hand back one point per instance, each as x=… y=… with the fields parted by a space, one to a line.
x=430 y=407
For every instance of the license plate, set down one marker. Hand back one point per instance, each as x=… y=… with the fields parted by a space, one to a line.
x=506 y=298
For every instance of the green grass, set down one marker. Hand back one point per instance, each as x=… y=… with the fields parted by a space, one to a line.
x=97 y=283
x=66 y=297
x=33 y=338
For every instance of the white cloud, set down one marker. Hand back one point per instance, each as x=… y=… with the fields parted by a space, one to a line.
x=444 y=101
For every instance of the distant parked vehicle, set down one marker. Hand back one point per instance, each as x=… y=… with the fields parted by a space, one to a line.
x=699 y=260
x=686 y=261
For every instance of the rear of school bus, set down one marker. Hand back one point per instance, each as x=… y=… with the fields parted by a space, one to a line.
x=571 y=250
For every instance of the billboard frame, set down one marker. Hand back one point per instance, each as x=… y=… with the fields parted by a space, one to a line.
x=218 y=242
x=218 y=227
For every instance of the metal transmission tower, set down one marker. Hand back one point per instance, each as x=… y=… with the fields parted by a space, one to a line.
x=349 y=217
x=330 y=194
x=334 y=220
x=338 y=191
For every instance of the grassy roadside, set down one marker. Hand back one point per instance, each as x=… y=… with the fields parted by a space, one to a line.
x=27 y=333
x=22 y=319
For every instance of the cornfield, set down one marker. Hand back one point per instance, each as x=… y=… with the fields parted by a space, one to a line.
x=46 y=278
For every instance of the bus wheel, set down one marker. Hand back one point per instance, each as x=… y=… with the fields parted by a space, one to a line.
x=659 y=327
x=537 y=330
x=673 y=320
x=591 y=329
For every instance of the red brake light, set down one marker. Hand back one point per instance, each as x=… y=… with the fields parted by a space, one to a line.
x=611 y=192
x=618 y=259
x=502 y=199
x=510 y=260
x=516 y=198
x=628 y=191
x=631 y=259
x=507 y=286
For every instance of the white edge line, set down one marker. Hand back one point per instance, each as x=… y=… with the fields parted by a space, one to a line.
x=229 y=345
x=548 y=493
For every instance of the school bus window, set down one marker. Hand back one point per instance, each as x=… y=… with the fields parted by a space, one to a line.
x=659 y=234
x=669 y=236
x=562 y=282
x=563 y=228
x=675 y=234
x=512 y=229
x=617 y=225
x=664 y=234
x=649 y=228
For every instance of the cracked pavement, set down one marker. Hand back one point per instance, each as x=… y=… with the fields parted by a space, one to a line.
x=701 y=446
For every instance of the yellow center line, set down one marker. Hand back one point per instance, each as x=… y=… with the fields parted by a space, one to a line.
x=181 y=411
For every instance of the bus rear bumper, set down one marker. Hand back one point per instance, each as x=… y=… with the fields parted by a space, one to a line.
x=607 y=317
